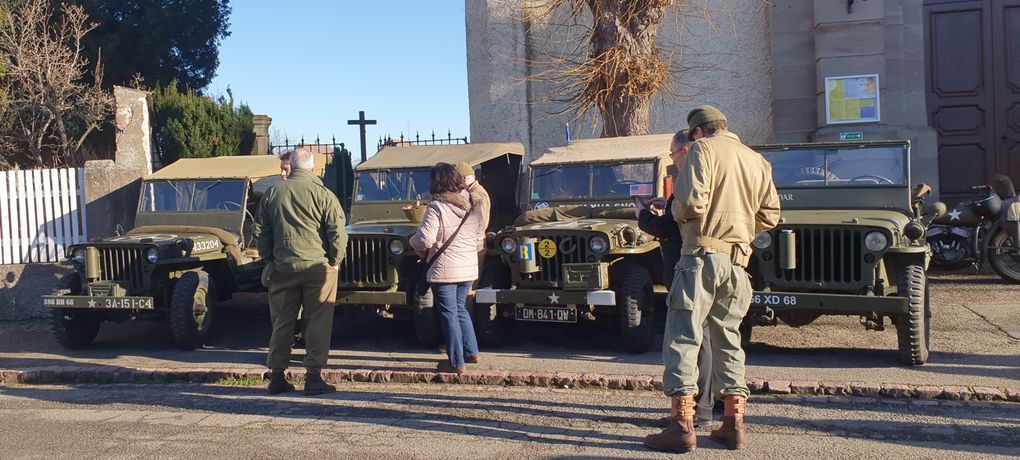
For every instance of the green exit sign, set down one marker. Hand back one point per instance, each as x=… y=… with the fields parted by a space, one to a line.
x=851 y=136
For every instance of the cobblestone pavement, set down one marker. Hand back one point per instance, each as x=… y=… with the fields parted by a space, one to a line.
x=413 y=421
x=975 y=342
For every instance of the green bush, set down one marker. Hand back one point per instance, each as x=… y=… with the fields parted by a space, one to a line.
x=190 y=125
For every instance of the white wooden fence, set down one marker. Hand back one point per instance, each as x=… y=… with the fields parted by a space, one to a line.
x=42 y=211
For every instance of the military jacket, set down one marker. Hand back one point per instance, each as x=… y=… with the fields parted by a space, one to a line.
x=299 y=224
x=723 y=196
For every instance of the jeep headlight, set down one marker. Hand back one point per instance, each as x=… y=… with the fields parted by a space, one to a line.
x=152 y=255
x=876 y=241
x=598 y=244
x=762 y=240
x=396 y=247
x=79 y=255
x=508 y=245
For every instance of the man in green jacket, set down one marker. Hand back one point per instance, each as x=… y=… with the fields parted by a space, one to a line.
x=300 y=233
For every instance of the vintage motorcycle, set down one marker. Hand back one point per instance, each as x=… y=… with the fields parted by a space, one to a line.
x=985 y=226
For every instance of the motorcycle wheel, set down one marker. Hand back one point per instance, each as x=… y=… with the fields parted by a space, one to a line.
x=1004 y=256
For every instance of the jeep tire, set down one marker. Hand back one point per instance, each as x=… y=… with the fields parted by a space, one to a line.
x=425 y=320
x=488 y=324
x=635 y=300
x=193 y=309
x=74 y=328
x=912 y=328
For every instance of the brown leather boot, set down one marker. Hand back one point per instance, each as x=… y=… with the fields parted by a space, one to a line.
x=679 y=435
x=314 y=385
x=278 y=382
x=731 y=433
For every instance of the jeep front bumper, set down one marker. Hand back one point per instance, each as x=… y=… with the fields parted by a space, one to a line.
x=371 y=298
x=544 y=297
x=840 y=303
x=98 y=302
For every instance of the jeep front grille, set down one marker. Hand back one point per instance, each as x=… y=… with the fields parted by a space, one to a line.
x=826 y=256
x=125 y=265
x=366 y=264
x=569 y=249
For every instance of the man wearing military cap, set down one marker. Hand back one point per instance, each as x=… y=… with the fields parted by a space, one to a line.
x=723 y=196
x=479 y=197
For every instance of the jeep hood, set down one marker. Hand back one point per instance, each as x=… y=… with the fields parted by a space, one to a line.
x=890 y=220
x=402 y=228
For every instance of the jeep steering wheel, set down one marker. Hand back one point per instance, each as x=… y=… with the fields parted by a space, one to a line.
x=879 y=179
x=816 y=171
x=224 y=205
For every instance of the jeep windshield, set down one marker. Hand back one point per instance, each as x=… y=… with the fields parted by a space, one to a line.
x=600 y=180
x=192 y=196
x=838 y=166
x=393 y=185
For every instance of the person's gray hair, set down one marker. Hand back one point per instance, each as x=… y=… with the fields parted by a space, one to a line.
x=679 y=139
x=302 y=158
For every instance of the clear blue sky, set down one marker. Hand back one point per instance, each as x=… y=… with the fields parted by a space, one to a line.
x=312 y=64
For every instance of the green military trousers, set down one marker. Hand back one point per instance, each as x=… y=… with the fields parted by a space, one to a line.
x=710 y=291
x=315 y=290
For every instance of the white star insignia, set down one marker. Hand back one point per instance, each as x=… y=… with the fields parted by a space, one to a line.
x=553 y=298
x=954 y=214
x=92 y=303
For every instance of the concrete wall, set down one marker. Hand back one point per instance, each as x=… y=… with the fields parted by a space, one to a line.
x=728 y=63
x=21 y=286
x=111 y=187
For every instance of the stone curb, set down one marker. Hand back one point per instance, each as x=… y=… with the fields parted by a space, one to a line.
x=861 y=390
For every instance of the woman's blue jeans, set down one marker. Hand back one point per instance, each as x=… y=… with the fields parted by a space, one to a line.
x=455 y=320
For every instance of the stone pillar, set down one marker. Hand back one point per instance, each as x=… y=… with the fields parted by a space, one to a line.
x=111 y=187
x=498 y=98
x=261 y=146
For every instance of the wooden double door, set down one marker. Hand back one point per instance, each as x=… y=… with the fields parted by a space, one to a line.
x=973 y=59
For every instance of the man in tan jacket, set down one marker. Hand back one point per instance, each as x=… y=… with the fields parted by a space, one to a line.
x=479 y=197
x=723 y=196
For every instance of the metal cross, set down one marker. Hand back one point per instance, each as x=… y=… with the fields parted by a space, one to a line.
x=362 y=122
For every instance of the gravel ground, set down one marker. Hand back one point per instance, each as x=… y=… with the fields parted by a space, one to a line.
x=408 y=421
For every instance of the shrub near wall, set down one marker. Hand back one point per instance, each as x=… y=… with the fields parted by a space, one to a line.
x=191 y=125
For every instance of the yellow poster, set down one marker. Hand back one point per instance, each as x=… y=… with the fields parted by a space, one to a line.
x=852 y=99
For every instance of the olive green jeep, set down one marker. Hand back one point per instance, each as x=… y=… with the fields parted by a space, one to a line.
x=191 y=247
x=391 y=188
x=577 y=252
x=850 y=241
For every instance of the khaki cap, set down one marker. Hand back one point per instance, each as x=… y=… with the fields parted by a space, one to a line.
x=465 y=169
x=702 y=115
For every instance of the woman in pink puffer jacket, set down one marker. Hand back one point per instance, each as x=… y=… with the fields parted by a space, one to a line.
x=456 y=268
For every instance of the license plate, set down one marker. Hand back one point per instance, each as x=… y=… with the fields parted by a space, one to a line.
x=106 y=303
x=547 y=314
x=765 y=299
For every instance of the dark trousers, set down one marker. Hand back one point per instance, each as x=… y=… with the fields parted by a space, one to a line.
x=705 y=397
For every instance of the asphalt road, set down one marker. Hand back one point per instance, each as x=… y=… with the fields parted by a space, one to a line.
x=975 y=341
x=385 y=421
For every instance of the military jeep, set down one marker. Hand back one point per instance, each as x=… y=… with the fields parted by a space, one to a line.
x=577 y=253
x=381 y=268
x=850 y=241
x=191 y=247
